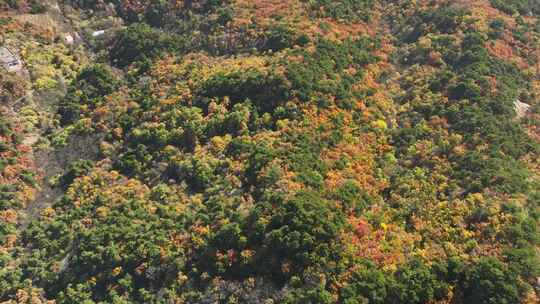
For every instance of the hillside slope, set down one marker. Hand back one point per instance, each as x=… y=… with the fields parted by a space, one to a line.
x=270 y=151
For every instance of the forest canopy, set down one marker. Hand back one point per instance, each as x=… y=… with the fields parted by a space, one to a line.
x=351 y=151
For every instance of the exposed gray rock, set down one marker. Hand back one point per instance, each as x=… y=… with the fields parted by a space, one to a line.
x=521 y=108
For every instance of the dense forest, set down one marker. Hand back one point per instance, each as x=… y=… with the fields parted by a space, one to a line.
x=270 y=151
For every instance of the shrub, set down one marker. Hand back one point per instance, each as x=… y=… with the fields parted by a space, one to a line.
x=37 y=8
x=76 y=169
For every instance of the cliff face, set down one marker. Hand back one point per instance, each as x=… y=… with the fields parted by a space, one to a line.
x=270 y=151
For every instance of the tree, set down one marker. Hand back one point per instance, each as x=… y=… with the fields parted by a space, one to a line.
x=90 y=86
x=367 y=284
x=140 y=42
x=416 y=282
x=305 y=231
x=489 y=281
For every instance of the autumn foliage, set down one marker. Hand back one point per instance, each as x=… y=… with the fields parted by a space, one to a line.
x=287 y=152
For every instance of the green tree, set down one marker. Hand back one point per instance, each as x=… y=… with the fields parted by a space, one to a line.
x=90 y=86
x=489 y=281
x=305 y=230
